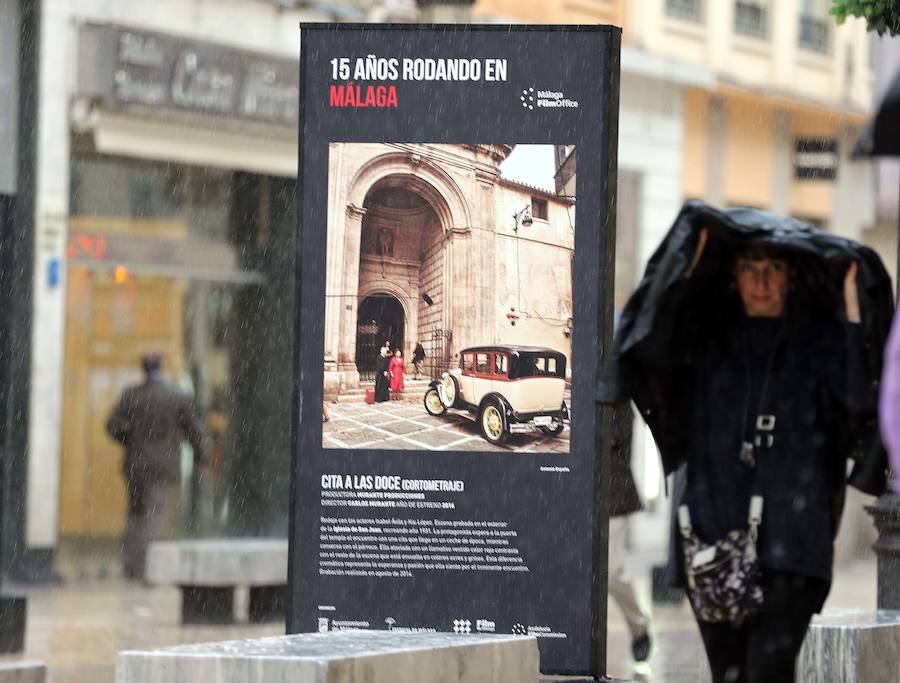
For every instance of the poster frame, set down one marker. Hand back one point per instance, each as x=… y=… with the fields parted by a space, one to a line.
x=608 y=84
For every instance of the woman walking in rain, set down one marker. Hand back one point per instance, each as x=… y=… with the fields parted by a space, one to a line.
x=751 y=388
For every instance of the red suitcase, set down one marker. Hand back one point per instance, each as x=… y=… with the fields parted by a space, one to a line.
x=370 y=396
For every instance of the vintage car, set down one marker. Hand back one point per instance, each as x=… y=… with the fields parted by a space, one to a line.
x=509 y=388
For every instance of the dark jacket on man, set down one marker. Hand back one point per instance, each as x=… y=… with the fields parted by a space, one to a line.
x=418 y=353
x=151 y=420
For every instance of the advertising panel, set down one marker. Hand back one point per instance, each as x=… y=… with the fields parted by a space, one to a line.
x=452 y=320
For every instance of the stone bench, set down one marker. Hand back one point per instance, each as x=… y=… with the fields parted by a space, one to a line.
x=23 y=672
x=341 y=657
x=208 y=570
x=851 y=646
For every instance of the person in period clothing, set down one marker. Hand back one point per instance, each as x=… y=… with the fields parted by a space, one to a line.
x=151 y=420
x=418 y=358
x=623 y=502
x=397 y=368
x=382 y=376
x=765 y=362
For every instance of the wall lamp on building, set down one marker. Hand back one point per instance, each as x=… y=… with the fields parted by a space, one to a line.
x=427 y=299
x=522 y=217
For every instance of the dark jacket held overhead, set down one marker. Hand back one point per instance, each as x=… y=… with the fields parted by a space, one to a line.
x=695 y=365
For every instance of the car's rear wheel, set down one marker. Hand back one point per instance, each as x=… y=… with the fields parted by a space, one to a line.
x=492 y=422
x=433 y=403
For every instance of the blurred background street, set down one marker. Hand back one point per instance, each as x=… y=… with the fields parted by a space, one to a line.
x=147 y=207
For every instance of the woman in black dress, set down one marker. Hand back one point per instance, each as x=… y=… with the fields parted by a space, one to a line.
x=382 y=377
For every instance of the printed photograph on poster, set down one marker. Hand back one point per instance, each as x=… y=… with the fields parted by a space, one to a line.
x=448 y=297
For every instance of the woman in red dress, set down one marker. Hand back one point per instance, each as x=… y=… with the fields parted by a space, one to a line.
x=397 y=368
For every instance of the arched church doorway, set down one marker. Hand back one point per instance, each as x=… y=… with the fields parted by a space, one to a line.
x=381 y=319
x=402 y=270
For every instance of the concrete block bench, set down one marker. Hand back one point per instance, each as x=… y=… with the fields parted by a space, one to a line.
x=851 y=646
x=23 y=672
x=341 y=657
x=208 y=570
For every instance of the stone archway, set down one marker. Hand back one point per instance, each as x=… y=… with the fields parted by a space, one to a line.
x=444 y=283
x=401 y=269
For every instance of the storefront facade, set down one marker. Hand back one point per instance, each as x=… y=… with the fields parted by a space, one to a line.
x=164 y=222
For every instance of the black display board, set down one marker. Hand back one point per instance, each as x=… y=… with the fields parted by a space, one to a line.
x=488 y=516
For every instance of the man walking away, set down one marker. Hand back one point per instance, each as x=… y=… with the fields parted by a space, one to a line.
x=151 y=420
x=418 y=357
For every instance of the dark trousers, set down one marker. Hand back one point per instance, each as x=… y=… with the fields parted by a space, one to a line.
x=148 y=513
x=763 y=648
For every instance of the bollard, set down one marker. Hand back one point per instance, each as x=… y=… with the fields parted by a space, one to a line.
x=886 y=514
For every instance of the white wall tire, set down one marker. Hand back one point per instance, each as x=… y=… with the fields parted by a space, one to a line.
x=492 y=422
x=433 y=404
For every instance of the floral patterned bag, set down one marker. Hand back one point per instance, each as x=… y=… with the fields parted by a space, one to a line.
x=724 y=582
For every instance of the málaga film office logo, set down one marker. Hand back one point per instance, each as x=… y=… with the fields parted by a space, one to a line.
x=546 y=99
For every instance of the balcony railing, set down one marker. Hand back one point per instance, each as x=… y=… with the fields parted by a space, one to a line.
x=813 y=33
x=690 y=10
x=751 y=19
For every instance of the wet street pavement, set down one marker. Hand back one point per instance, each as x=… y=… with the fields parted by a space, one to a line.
x=79 y=627
x=405 y=425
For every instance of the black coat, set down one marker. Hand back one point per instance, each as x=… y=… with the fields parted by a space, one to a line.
x=382 y=380
x=151 y=420
x=820 y=260
x=623 y=493
x=418 y=353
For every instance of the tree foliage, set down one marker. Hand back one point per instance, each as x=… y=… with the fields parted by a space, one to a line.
x=882 y=16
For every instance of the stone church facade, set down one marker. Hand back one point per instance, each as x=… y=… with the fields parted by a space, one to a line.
x=426 y=244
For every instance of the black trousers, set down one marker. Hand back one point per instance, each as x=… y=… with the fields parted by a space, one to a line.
x=763 y=648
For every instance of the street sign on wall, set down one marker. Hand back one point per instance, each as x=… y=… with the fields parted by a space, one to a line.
x=465 y=492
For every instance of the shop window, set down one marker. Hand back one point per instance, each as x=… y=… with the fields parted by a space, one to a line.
x=689 y=10
x=751 y=18
x=539 y=208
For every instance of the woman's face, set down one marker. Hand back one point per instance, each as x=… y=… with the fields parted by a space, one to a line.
x=763 y=286
x=397 y=353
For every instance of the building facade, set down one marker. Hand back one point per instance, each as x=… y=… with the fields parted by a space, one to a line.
x=163 y=222
x=738 y=103
x=426 y=244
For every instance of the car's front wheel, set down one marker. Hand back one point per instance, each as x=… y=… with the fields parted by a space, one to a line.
x=433 y=403
x=492 y=422
x=449 y=390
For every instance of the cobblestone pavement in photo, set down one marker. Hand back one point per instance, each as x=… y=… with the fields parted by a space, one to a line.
x=405 y=425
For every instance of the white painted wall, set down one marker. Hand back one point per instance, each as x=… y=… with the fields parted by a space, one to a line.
x=650 y=143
